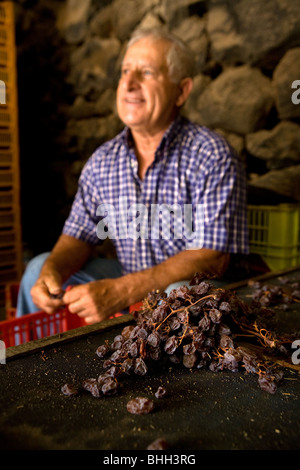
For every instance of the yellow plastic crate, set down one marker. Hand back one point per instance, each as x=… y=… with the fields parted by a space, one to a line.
x=274 y=234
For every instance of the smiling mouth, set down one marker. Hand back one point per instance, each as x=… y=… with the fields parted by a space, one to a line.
x=134 y=100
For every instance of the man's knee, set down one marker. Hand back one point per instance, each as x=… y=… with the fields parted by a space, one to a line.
x=30 y=276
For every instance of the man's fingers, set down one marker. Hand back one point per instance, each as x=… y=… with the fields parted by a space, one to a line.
x=51 y=287
x=76 y=307
x=74 y=293
x=90 y=320
x=53 y=306
x=42 y=298
x=54 y=287
x=46 y=304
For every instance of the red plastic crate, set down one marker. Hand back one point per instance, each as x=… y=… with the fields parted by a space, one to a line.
x=15 y=331
x=37 y=325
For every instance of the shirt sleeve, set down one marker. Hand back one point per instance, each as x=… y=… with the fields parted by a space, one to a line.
x=82 y=220
x=221 y=209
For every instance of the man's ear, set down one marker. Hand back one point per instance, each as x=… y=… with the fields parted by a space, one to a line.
x=185 y=88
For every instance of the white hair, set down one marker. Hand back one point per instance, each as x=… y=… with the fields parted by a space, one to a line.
x=180 y=58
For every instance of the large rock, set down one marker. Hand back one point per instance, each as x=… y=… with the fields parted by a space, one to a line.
x=127 y=15
x=103 y=106
x=238 y=100
x=101 y=23
x=92 y=66
x=73 y=20
x=192 y=30
x=254 y=32
x=287 y=71
x=285 y=182
x=88 y=134
x=150 y=20
x=279 y=147
x=200 y=82
x=173 y=12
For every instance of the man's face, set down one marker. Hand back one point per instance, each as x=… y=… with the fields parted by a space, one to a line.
x=146 y=97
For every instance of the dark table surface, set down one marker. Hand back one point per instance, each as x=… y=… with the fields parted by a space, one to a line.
x=204 y=410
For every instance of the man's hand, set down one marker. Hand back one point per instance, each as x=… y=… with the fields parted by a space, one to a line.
x=96 y=300
x=45 y=293
x=67 y=257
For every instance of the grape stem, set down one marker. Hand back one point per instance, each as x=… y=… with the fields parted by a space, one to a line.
x=264 y=336
x=186 y=308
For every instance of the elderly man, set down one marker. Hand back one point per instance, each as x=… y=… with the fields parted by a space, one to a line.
x=160 y=160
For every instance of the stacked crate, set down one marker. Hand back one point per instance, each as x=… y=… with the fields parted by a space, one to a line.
x=274 y=234
x=10 y=222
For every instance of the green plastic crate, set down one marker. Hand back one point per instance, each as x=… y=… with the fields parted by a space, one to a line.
x=274 y=234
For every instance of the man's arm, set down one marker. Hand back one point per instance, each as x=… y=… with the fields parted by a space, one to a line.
x=67 y=256
x=97 y=300
x=179 y=267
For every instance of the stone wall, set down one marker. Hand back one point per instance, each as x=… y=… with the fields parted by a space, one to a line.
x=248 y=61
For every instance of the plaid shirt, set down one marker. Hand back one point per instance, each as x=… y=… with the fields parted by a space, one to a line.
x=193 y=167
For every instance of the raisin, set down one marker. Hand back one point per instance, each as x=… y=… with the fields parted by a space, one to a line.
x=69 y=390
x=140 y=406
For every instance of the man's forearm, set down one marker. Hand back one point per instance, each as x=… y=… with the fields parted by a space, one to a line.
x=67 y=256
x=177 y=268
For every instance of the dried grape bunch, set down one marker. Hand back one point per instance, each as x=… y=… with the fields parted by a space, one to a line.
x=197 y=326
x=281 y=295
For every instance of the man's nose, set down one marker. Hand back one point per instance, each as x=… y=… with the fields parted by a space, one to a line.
x=131 y=80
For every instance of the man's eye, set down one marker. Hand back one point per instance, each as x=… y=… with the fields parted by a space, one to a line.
x=138 y=73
